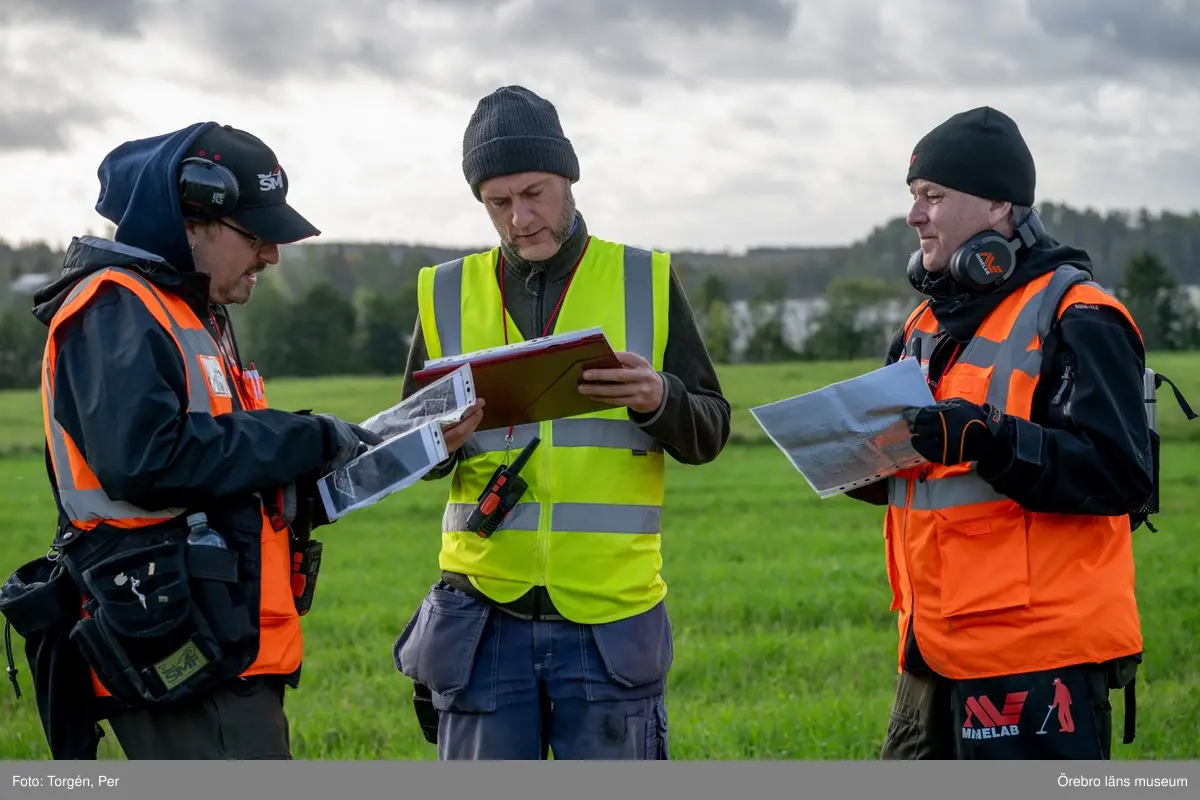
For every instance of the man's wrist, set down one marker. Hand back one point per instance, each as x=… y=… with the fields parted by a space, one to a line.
x=644 y=418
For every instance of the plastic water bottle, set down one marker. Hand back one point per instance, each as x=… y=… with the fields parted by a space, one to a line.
x=200 y=534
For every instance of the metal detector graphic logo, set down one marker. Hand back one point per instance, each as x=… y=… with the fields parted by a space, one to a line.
x=1062 y=701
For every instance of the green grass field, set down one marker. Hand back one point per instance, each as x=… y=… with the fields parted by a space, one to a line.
x=785 y=646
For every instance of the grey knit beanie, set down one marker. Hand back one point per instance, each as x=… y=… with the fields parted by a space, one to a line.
x=513 y=130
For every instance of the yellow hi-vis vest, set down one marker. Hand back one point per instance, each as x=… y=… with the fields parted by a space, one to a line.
x=587 y=528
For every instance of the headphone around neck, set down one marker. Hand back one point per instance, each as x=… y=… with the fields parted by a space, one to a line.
x=986 y=260
x=207 y=190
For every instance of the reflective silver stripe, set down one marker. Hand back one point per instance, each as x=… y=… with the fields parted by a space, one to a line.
x=618 y=434
x=523 y=517
x=492 y=441
x=1064 y=278
x=639 y=302
x=567 y=518
x=956 y=490
x=447 y=306
x=605 y=518
x=927 y=341
x=89 y=504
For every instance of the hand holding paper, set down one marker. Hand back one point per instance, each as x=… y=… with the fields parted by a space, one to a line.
x=955 y=430
x=458 y=432
x=853 y=432
x=636 y=384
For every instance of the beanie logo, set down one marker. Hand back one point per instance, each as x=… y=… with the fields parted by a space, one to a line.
x=912 y=160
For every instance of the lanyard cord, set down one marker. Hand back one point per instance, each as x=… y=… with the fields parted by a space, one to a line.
x=553 y=314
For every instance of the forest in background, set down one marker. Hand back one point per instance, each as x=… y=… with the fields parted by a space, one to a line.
x=349 y=308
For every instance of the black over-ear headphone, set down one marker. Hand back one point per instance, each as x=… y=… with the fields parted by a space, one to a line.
x=984 y=261
x=207 y=190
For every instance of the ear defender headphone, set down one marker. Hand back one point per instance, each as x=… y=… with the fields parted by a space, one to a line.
x=207 y=190
x=984 y=261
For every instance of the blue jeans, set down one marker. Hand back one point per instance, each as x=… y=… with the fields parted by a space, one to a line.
x=515 y=689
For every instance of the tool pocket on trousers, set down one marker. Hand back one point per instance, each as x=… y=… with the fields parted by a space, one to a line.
x=657 y=741
x=637 y=651
x=985 y=558
x=440 y=642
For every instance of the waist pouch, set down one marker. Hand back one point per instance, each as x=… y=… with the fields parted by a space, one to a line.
x=41 y=603
x=164 y=620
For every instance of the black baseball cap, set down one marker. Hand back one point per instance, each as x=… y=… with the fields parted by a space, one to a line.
x=262 y=206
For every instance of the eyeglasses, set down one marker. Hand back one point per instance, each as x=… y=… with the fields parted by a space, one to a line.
x=255 y=242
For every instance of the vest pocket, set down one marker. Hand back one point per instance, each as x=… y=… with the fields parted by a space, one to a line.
x=985 y=558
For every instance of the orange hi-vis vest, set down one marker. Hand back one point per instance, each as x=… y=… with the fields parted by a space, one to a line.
x=209 y=391
x=991 y=588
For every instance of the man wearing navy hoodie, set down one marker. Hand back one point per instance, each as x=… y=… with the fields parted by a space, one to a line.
x=152 y=418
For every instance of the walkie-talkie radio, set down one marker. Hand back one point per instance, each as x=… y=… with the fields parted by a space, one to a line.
x=502 y=493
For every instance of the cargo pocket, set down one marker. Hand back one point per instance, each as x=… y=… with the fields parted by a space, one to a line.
x=657 y=743
x=985 y=558
x=638 y=651
x=439 y=644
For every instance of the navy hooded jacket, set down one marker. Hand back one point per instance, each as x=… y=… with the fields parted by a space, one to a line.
x=120 y=388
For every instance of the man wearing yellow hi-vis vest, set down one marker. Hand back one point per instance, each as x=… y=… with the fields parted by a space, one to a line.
x=552 y=635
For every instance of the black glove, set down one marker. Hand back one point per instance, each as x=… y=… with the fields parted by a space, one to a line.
x=350 y=441
x=955 y=430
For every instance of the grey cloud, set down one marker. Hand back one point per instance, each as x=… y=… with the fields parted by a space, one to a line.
x=1152 y=30
x=857 y=42
x=121 y=17
x=40 y=113
x=43 y=128
x=268 y=40
x=625 y=46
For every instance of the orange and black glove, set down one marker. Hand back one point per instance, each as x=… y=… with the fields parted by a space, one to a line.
x=956 y=430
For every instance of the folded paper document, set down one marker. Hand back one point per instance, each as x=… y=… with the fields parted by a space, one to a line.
x=531 y=381
x=397 y=463
x=412 y=445
x=446 y=401
x=850 y=433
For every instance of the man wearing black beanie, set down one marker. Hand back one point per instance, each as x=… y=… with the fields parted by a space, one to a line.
x=1009 y=551
x=553 y=635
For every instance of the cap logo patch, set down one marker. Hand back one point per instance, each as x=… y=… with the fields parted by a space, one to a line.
x=272 y=180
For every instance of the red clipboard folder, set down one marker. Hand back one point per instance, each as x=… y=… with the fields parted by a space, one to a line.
x=535 y=384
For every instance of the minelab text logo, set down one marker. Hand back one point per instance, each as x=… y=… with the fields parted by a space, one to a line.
x=985 y=722
x=988 y=262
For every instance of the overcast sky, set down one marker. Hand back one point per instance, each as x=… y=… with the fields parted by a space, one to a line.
x=699 y=124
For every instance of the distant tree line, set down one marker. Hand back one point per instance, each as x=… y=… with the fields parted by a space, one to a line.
x=323 y=331
x=858 y=316
x=350 y=308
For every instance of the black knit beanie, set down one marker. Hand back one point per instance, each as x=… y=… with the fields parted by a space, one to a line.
x=980 y=152
x=513 y=130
